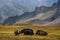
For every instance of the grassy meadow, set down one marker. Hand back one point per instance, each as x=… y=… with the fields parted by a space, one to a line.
x=7 y=33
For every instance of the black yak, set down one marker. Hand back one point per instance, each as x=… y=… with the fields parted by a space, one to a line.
x=41 y=33
x=27 y=31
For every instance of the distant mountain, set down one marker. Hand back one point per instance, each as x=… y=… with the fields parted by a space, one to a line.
x=56 y=22
x=11 y=20
x=11 y=9
x=54 y=19
x=8 y=11
x=41 y=15
x=25 y=16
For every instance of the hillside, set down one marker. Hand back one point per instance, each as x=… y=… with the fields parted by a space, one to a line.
x=44 y=14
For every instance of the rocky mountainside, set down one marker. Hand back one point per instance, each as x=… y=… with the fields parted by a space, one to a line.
x=41 y=16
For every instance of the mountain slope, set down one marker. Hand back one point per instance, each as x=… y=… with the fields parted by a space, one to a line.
x=41 y=15
x=56 y=22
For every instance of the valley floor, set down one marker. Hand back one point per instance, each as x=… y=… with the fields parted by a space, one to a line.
x=7 y=33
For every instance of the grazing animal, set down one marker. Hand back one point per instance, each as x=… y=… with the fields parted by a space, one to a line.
x=27 y=31
x=41 y=33
x=17 y=32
